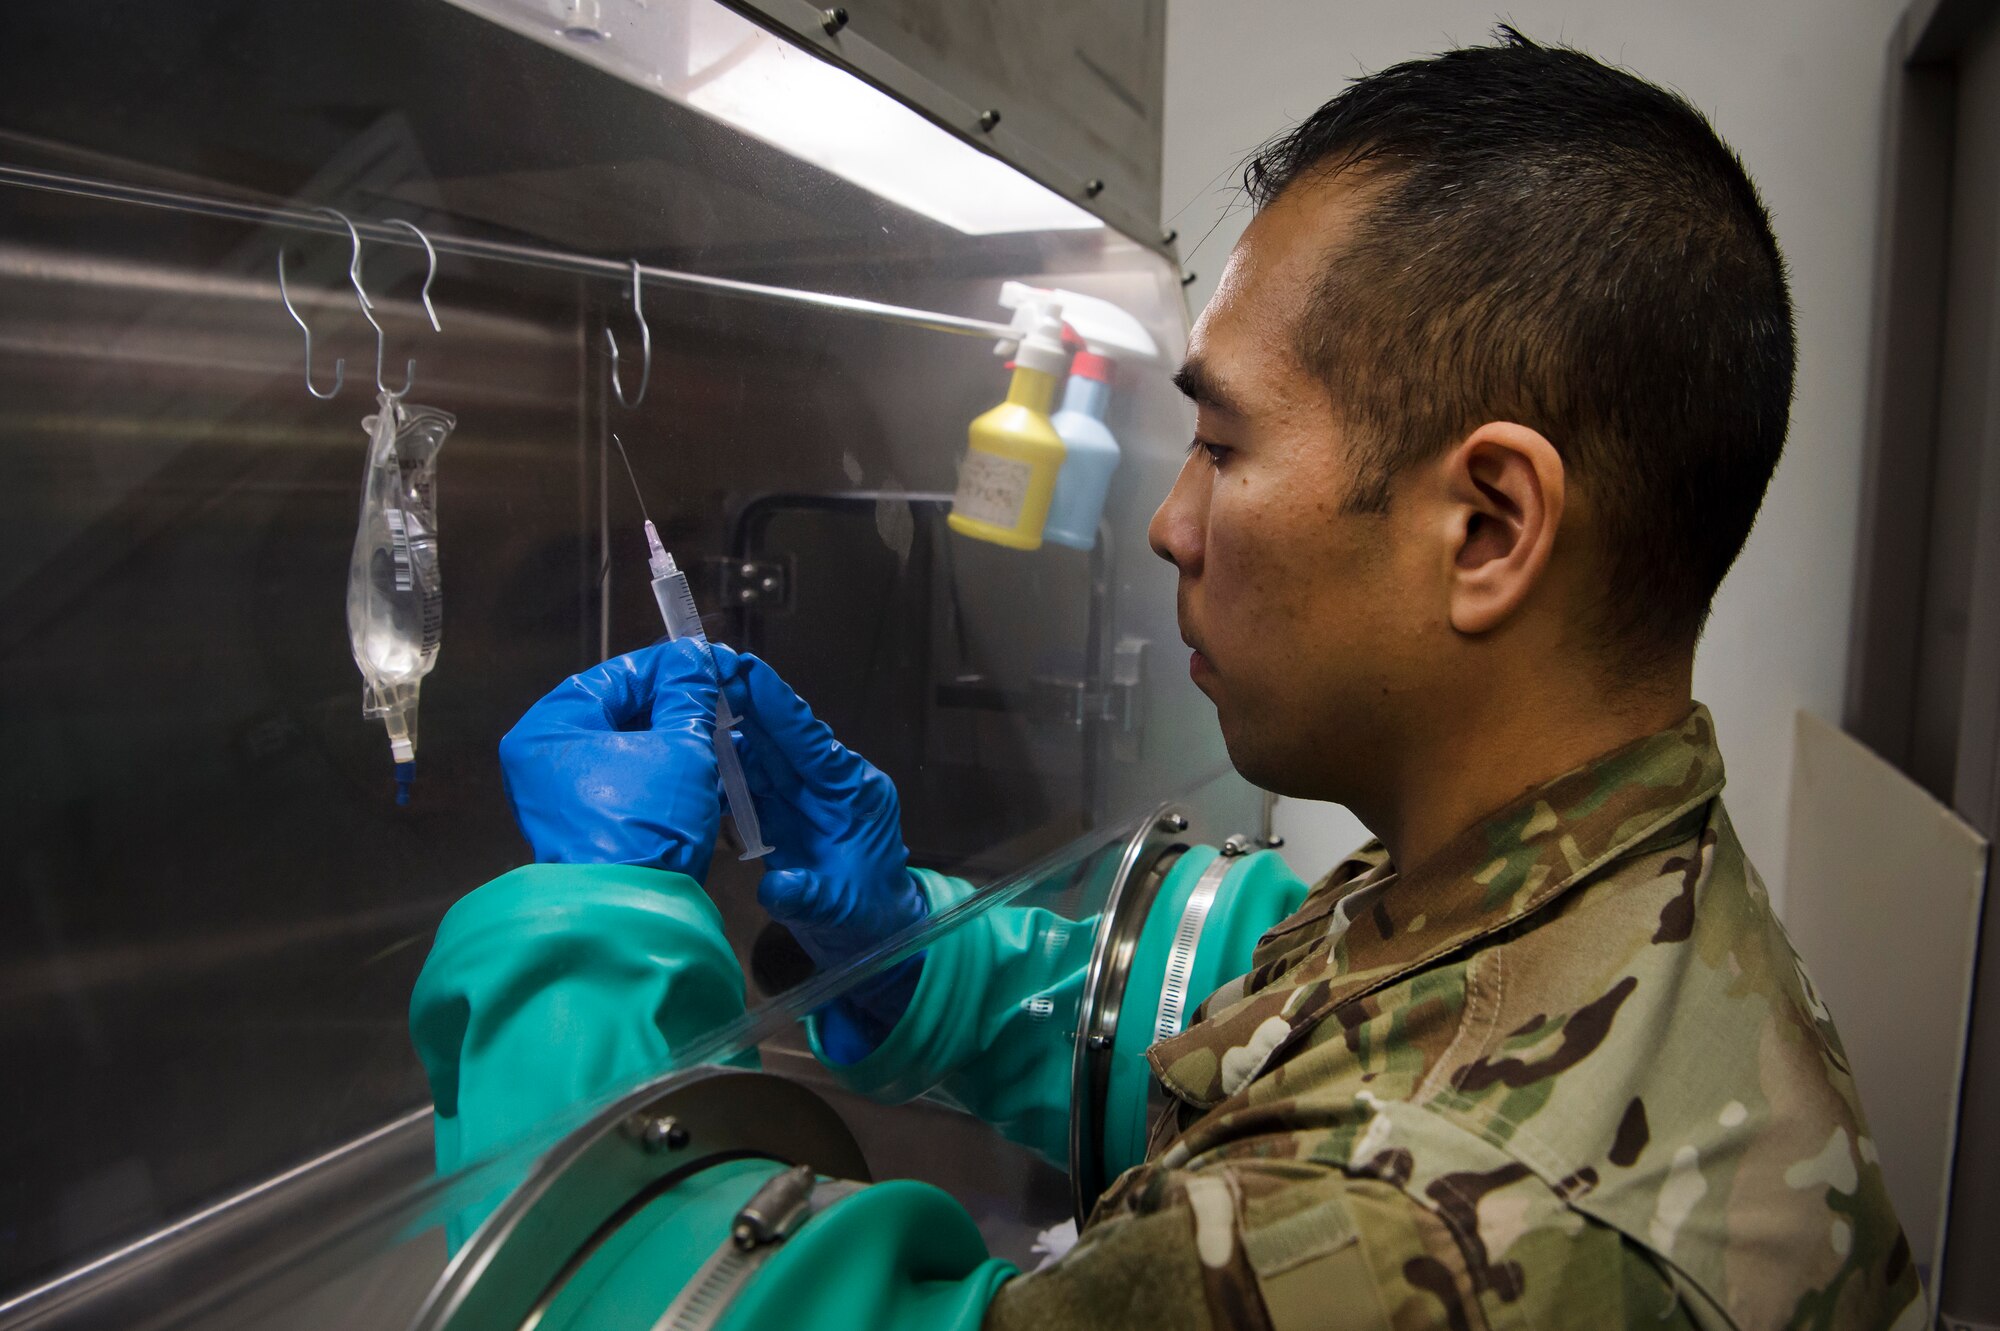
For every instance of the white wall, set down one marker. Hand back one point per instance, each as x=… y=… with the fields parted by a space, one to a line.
x=1796 y=87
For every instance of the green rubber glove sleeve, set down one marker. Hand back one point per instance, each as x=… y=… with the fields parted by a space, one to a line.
x=989 y=1022
x=635 y=1272
x=991 y=1019
x=559 y=983
x=898 y=1256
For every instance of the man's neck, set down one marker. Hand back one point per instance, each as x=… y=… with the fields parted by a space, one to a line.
x=1473 y=765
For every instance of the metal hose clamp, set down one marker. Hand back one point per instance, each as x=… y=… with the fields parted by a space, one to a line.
x=1187 y=941
x=775 y=1211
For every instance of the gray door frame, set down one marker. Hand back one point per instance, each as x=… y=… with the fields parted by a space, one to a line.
x=1909 y=545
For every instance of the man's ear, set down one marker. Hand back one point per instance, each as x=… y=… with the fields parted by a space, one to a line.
x=1505 y=487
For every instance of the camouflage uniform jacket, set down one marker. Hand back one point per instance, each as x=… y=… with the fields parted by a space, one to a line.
x=1566 y=1073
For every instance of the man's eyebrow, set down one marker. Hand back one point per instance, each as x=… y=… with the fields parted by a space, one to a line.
x=1198 y=382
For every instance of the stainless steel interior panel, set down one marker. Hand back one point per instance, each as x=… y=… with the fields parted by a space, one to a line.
x=215 y=908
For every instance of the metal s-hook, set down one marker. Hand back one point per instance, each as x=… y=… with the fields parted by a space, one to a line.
x=430 y=311
x=340 y=362
x=367 y=305
x=354 y=255
x=645 y=349
x=430 y=274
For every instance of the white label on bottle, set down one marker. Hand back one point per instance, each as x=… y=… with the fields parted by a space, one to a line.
x=992 y=489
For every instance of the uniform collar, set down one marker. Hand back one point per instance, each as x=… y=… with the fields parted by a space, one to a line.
x=1502 y=868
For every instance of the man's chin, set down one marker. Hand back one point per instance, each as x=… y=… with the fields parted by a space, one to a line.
x=1280 y=767
x=1253 y=761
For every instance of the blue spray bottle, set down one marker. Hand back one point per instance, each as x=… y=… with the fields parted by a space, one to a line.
x=1091 y=457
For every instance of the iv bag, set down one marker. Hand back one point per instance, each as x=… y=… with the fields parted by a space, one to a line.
x=395 y=601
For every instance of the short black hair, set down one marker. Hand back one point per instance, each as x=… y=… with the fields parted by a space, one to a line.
x=1558 y=243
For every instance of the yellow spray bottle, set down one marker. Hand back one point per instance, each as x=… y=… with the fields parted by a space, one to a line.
x=1014 y=454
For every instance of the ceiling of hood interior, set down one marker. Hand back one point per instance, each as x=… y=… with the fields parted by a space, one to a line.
x=397 y=100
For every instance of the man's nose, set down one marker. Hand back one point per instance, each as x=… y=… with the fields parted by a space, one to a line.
x=1176 y=531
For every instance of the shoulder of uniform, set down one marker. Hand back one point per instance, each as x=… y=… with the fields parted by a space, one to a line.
x=1288 y=939
x=1441 y=1242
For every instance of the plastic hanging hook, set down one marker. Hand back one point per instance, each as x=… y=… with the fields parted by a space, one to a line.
x=645 y=349
x=340 y=362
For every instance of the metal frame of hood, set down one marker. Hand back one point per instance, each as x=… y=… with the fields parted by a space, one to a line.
x=815 y=29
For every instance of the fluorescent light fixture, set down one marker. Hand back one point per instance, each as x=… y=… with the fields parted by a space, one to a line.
x=793 y=100
x=727 y=68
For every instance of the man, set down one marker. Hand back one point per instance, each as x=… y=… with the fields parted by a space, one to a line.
x=1486 y=403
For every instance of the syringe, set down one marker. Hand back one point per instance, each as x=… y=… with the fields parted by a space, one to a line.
x=670 y=589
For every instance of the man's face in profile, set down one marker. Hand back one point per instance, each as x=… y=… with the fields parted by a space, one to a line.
x=1311 y=621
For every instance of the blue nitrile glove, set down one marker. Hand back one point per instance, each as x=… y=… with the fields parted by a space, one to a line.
x=617 y=765
x=838 y=875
